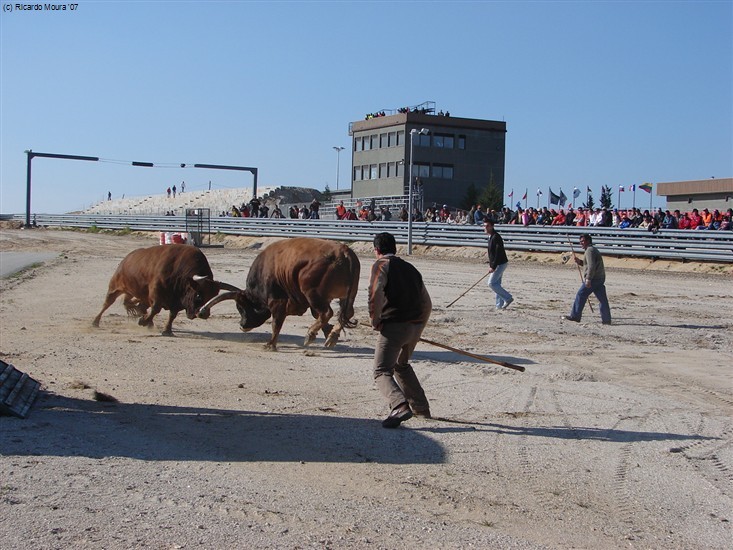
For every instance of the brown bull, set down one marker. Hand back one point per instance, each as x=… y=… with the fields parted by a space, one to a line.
x=174 y=277
x=290 y=276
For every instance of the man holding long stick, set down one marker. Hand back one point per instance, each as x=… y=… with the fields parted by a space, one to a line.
x=594 y=281
x=399 y=307
x=497 y=264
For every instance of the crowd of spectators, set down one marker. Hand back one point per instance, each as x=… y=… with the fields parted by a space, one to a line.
x=604 y=217
x=403 y=110
x=577 y=217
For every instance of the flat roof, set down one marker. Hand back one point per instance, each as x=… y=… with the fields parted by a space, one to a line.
x=696 y=187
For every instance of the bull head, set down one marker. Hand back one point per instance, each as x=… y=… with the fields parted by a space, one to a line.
x=252 y=316
x=202 y=289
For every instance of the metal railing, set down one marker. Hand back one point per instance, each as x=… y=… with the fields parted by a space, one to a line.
x=673 y=244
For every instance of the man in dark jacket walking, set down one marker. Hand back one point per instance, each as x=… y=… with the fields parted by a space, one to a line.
x=497 y=264
x=399 y=308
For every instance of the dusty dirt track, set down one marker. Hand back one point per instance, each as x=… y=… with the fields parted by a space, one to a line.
x=614 y=437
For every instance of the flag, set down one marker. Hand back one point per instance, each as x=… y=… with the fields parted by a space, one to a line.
x=519 y=204
x=632 y=187
x=576 y=192
x=554 y=199
x=646 y=187
x=524 y=197
x=587 y=189
x=563 y=198
x=620 y=188
x=511 y=194
x=539 y=192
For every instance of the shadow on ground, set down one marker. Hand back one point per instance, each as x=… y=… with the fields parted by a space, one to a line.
x=66 y=426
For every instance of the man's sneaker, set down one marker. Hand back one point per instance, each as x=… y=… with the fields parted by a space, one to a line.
x=569 y=318
x=423 y=413
x=507 y=303
x=398 y=415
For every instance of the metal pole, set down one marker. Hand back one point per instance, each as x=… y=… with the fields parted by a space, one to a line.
x=338 y=159
x=28 y=190
x=409 y=198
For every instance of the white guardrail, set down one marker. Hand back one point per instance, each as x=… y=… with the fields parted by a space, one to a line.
x=674 y=244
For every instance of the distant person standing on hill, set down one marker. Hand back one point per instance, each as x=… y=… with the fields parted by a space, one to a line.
x=183 y=186
x=315 y=206
x=174 y=191
x=254 y=206
x=109 y=195
x=169 y=192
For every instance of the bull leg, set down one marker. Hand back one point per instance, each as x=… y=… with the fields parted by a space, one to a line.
x=108 y=301
x=147 y=320
x=323 y=316
x=278 y=310
x=277 y=325
x=334 y=335
x=167 y=331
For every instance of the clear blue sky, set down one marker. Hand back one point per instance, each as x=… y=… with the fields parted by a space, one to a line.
x=593 y=93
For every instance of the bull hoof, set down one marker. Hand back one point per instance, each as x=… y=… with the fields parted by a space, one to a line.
x=331 y=341
x=95 y=324
x=269 y=346
x=167 y=333
x=327 y=330
x=309 y=339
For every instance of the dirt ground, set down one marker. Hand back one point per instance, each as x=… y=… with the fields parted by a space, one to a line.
x=614 y=437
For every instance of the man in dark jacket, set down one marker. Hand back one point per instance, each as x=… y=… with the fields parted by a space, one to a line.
x=399 y=308
x=497 y=264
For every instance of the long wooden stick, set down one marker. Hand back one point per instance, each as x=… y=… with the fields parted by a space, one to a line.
x=579 y=271
x=474 y=284
x=475 y=356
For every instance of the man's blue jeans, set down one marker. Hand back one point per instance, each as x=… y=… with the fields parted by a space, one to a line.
x=502 y=296
x=599 y=289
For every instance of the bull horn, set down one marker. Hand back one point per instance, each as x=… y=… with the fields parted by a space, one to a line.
x=227 y=286
x=204 y=310
x=200 y=277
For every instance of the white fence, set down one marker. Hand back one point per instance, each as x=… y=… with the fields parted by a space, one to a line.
x=676 y=244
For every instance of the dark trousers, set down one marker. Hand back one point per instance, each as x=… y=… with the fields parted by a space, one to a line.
x=393 y=374
x=599 y=289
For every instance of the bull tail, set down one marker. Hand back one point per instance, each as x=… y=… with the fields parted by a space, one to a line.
x=346 y=310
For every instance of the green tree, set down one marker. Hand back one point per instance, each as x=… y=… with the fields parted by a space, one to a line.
x=606 y=197
x=327 y=193
x=470 y=198
x=590 y=203
x=491 y=197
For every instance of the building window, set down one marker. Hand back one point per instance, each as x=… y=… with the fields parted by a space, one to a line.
x=392 y=139
x=461 y=142
x=400 y=138
x=422 y=140
x=383 y=141
x=365 y=172
x=382 y=170
x=442 y=171
x=358 y=144
x=443 y=141
x=400 y=169
x=357 y=173
x=420 y=170
x=373 y=171
x=367 y=143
